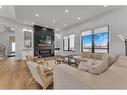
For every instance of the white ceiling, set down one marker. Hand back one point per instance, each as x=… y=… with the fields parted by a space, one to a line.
x=27 y=14
x=7 y=11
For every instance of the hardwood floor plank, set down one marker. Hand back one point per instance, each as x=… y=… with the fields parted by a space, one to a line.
x=15 y=75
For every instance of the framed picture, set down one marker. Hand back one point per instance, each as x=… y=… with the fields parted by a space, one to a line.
x=27 y=39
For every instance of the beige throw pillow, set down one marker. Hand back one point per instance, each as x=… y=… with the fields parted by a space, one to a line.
x=82 y=66
x=85 y=65
x=99 y=67
x=112 y=58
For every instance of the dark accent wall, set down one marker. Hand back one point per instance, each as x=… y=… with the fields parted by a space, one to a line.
x=43 y=41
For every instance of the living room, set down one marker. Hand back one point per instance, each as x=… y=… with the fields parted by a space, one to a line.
x=63 y=47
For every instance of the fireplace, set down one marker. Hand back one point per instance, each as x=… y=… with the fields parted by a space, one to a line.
x=43 y=41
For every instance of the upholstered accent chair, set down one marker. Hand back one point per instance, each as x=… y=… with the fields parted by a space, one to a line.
x=41 y=74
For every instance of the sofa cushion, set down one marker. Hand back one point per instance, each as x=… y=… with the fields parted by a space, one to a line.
x=94 y=56
x=99 y=67
x=112 y=58
x=97 y=56
x=86 y=55
x=104 y=56
x=84 y=65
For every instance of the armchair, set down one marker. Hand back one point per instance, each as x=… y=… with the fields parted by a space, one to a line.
x=40 y=73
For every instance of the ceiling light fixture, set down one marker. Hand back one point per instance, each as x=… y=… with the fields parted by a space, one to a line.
x=33 y=23
x=66 y=11
x=37 y=14
x=0 y=6
x=79 y=18
x=53 y=20
x=65 y=25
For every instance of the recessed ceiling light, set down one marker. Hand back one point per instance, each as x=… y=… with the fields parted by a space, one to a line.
x=66 y=11
x=105 y=5
x=65 y=25
x=0 y=6
x=33 y=23
x=79 y=18
x=37 y=14
x=53 y=20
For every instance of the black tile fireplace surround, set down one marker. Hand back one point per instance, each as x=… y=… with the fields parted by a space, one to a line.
x=43 y=41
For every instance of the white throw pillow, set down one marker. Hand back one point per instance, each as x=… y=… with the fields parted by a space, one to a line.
x=99 y=67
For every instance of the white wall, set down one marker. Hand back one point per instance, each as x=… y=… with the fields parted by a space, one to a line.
x=19 y=35
x=117 y=21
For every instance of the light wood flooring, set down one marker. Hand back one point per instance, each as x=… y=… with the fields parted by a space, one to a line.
x=16 y=75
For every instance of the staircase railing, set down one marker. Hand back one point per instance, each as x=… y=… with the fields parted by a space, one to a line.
x=2 y=50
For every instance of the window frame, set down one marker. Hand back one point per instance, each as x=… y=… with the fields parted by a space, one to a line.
x=92 y=30
x=108 y=36
x=82 y=42
x=69 y=43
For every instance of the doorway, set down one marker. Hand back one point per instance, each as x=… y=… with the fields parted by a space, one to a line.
x=11 y=46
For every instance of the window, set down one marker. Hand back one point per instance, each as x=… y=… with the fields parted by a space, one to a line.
x=72 y=42
x=101 y=40
x=65 y=43
x=96 y=41
x=87 y=41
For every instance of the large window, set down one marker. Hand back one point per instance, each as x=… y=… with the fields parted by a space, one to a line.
x=101 y=39
x=96 y=41
x=71 y=42
x=87 y=41
x=65 y=43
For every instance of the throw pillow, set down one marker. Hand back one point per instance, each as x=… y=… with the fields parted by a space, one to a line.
x=99 y=67
x=112 y=58
x=84 y=65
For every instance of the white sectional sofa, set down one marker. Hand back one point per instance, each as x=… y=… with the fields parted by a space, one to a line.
x=67 y=77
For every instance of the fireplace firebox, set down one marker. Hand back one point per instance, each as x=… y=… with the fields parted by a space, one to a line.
x=45 y=51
